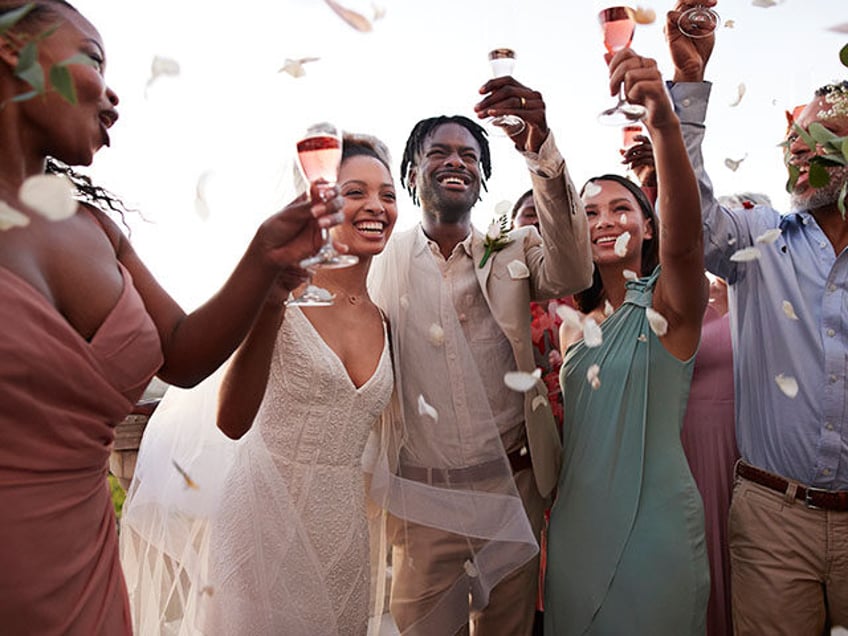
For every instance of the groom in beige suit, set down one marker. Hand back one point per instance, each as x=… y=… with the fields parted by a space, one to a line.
x=474 y=327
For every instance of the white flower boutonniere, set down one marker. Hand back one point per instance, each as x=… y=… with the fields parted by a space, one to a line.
x=497 y=237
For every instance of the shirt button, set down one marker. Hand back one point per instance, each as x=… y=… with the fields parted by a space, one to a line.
x=833 y=379
x=831 y=288
x=462 y=317
x=822 y=244
x=826 y=471
x=829 y=426
x=831 y=333
x=686 y=101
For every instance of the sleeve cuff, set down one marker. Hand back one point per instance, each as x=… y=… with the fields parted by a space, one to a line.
x=690 y=100
x=548 y=162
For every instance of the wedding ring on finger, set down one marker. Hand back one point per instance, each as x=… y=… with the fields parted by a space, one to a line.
x=523 y=102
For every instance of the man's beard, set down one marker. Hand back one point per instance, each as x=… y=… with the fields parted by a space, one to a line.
x=449 y=208
x=814 y=198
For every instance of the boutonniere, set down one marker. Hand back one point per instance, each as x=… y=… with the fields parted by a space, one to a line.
x=497 y=237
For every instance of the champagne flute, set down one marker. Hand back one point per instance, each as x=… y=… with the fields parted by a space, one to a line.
x=618 y=26
x=502 y=62
x=698 y=21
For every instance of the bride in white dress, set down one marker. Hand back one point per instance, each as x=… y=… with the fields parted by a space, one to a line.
x=284 y=549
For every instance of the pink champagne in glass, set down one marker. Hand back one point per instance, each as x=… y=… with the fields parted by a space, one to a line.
x=320 y=157
x=618 y=28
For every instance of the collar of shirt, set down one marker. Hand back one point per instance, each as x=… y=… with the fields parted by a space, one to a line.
x=425 y=242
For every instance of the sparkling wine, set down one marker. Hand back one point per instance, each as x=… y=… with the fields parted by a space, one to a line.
x=502 y=62
x=618 y=28
x=629 y=134
x=319 y=157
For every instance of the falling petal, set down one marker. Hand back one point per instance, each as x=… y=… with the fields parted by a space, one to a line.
x=426 y=409
x=745 y=254
x=379 y=11
x=162 y=67
x=642 y=338
x=769 y=236
x=570 y=316
x=188 y=480
x=503 y=208
x=629 y=274
x=521 y=381
x=789 y=310
x=518 y=270
x=295 y=67
x=10 y=217
x=740 y=93
x=621 y=242
x=644 y=15
x=839 y=28
x=538 y=401
x=354 y=19
x=608 y=308
x=591 y=189
x=729 y=24
x=436 y=335
x=731 y=241
x=201 y=204
x=622 y=219
x=471 y=569
x=592 y=377
x=787 y=384
x=765 y=4
x=592 y=334
x=50 y=195
x=734 y=164
x=658 y=323
x=404 y=301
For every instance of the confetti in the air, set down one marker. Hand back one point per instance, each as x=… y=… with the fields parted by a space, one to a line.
x=427 y=410
x=621 y=243
x=642 y=15
x=629 y=274
x=740 y=93
x=503 y=207
x=787 y=384
x=731 y=240
x=538 y=401
x=593 y=378
x=642 y=338
x=188 y=480
x=789 y=310
x=295 y=67
x=354 y=19
x=608 y=308
x=201 y=203
x=591 y=189
x=52 y=196
x=379 y=11
x=570 y=316
x=436 y=335
x=10 y=217
x=592 y=334
x=765 y=4
x=162 y=67
x=518 y=270
x=769 y=236
x=839 y=28
x=745 y=254
x=521 y=381
x=729 y=24
x=733 y=164
x=657 y=322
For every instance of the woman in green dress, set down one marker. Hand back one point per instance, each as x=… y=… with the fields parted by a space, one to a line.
x=626 y=551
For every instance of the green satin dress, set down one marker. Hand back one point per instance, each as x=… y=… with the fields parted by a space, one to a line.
x=626 y=549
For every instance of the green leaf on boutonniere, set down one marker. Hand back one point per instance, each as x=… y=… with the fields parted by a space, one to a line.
x=843 y=55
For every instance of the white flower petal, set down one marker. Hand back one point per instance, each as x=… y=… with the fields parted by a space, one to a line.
x=503 y=208
x=518 y=270
x=592 y=334
x=644 y=15
x=404 y=301
x=295 y=67
x=379 y=11
x=621 y=242
x=642 y=338
x=745 y=254
x=769 y=236
x=658 y=323
x=50 y=195
x=570 y=316
x=427 y=410
x=731 y=241
x=494 y=231
x=729 y=24
x=436 y=335
x=629 y=274
x=787 y=384
x=622 y=219
x=521 y=381
x=591 y=189
x=734 y=164
x=592 y=377
x=471 y=569
x=740 y=93
x=10 y=217
x=608 y=308
x=789 y=310
x=538 y=401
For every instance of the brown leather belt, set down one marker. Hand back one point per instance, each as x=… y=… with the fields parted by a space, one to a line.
x=812 y=497
x=519 y=460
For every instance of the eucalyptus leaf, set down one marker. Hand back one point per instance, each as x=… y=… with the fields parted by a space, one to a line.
x=819 y=176
x=79 y=58
x=28 y=69
x=828 y=160
x=821 y=134
x=25 y=96
x=794 y=173
x=845 y=147
x=811 y=143
x=840 y=201
x=10 y=19
x=60 y=79
x=843 y=57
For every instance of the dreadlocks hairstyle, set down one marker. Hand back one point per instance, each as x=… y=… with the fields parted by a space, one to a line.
x=590 y=298
x=415 y=144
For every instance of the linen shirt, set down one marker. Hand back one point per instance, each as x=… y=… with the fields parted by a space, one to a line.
x=804 y=437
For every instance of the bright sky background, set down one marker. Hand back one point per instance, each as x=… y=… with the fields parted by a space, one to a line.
x=231 y=116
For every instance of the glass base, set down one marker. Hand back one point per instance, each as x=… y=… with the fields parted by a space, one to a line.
x=698 y=22
x=329 y=258
x=506 y=125
x=622 y=114
x=312 y=296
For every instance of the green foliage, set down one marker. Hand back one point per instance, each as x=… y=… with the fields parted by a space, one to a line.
x=8 y=20
x=843 y=55
x=118 y=495
x=833 y=151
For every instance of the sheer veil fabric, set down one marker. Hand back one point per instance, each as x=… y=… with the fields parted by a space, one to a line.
x=489 y=513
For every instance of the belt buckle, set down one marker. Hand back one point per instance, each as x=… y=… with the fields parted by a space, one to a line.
x=808 y=497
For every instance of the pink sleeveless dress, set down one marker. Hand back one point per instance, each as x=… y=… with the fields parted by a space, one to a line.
x=60 y=398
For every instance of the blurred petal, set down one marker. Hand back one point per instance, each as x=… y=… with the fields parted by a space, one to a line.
x=787 y=384
x=740 y=93
x=789 y=310
x=629 y=274
x=52 y=196
x=592 y=377
x=426 y=409
x=201 y=204
x=471 y=569
x=592 y=334
x=518 y=270
x=745 y=254
x=354 y=19
x=839 y=28
x=729 y=24
x=734 y=164
x=642 y=338
x=538 y=401
x=621 y=242
x=608 y=308
x=503 y=208
x=658 y=323
x=765 y=4
x=404 y=301
x=10 y=217
x=162 y=67
x=295 y=67
x=379 y=11
x=521 y=381
x=436 y=335
x=570 y=316
x=769 y=236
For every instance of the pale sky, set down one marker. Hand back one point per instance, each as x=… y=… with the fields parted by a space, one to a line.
x=231 y=116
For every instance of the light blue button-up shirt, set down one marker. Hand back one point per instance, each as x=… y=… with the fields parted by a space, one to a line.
x=803 y=437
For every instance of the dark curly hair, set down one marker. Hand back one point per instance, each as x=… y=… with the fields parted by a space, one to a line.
x=591 y=298
x=415 y=144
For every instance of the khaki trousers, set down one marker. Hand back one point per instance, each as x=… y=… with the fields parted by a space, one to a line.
x=788 y=564
x=424 y=565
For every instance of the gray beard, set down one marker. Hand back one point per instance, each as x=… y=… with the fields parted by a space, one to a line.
x=816 y=198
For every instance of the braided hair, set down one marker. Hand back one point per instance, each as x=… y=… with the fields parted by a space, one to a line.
x=415 y=144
